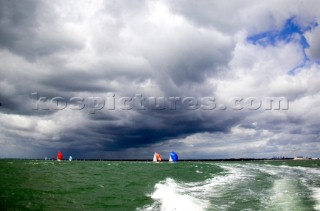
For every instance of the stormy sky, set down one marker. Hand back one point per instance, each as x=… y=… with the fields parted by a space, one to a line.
x=123 y=79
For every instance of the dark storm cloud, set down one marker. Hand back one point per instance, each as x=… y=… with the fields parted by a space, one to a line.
x=74 y=82
x=148 y=128
x=28 y=29
x=16 y=20
x=16 y=104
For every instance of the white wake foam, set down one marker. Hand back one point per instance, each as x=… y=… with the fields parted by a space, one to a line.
x=285 y=194
x=172 y=195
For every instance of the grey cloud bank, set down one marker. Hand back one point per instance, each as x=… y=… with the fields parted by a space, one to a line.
x=158 y=48
x=140 y=102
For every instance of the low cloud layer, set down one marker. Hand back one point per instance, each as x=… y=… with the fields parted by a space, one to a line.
x=203 y=50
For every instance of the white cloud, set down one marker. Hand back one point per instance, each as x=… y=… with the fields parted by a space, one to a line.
x=314 y=42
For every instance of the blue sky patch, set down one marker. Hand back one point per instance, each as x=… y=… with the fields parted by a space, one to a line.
x=289 y=33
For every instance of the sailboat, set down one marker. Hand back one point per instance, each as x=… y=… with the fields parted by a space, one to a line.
x=59 y=156
x=70 y=158
x=157 y=157
x=173 y=157
x=46 y=158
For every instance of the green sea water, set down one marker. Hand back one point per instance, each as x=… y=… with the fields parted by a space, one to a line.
x=113 y=185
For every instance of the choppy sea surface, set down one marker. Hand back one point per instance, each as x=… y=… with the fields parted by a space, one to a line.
x=113 y=185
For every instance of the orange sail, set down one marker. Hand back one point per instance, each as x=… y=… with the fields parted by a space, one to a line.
x=157 y=157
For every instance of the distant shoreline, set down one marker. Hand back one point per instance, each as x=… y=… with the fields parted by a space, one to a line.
x=181 y=160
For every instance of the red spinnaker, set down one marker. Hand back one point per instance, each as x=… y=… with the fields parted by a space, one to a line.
x=59 y=156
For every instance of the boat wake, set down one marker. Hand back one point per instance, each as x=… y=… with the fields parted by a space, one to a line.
x=242 y=186
x=173 y=195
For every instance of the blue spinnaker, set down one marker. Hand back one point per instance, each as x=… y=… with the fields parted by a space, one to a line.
x=173 y=157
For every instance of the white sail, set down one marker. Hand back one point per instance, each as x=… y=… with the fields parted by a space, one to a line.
x=70 y=158
x=170 y=159
x=154 y=157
